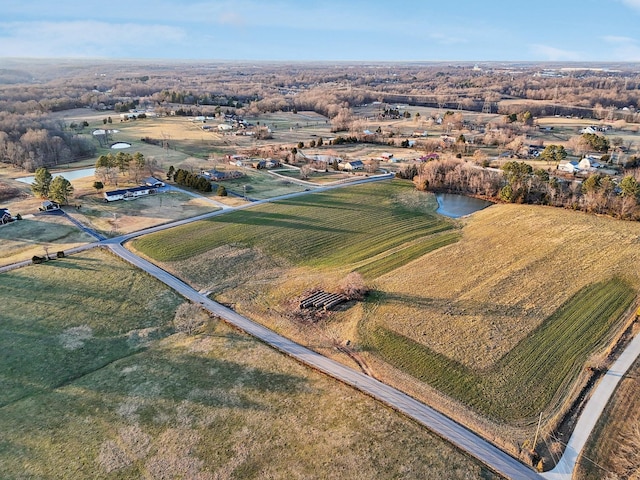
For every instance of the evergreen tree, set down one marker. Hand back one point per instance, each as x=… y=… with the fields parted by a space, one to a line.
x=41 y=182
x=61 y=189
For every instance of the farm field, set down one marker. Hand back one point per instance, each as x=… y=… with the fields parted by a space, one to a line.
x=324 y=230
x=23 y=239
x=614 y=445
x=97 y=385
x=502 y=305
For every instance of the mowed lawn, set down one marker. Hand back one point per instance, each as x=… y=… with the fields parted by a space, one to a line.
x=95 y=385
x=22 y=239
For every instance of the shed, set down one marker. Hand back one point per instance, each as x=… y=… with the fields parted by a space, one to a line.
x=153 y=182
x=48 y=206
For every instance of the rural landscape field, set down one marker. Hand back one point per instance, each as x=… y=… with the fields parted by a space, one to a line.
x=263 y=190
x=97 y=384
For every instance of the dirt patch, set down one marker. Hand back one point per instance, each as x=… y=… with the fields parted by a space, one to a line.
x=75 y=337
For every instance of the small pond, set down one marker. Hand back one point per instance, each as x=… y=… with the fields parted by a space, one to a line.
x=455 y=206
x=70 y=175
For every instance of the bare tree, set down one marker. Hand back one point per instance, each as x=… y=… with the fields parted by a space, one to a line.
x=189 y=318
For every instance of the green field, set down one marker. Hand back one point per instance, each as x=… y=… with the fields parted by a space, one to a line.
x=330 y=229
x=96 y=386
x=22 y=239
x=68 y=317
x=525 y=381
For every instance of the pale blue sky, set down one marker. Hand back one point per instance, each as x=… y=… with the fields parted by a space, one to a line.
x=345 y=30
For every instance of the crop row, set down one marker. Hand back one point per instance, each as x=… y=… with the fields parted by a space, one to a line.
x=324 y=229
x=525 y=380
x=397 y=259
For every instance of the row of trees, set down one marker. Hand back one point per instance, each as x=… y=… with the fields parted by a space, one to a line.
x=58 y=189
x=518 y=182
x=191 y=180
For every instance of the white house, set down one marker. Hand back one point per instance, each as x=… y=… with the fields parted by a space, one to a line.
x=352 y=165
x=128 y=193
x=224 y=127
x=569 y=167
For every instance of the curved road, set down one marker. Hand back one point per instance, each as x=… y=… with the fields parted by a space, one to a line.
x=442 y=425
x=435 y=421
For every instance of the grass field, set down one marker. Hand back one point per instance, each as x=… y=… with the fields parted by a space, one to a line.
x=95 y=386
x=110 y=218
x=28 y=237
x=613 y=450
x=510 y=307
x=329 y=230
x=71 y=316
x=526 y=380
x=259 y=185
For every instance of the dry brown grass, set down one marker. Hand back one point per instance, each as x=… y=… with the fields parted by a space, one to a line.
x=473 y=301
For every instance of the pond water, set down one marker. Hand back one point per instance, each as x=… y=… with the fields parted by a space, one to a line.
x=455 y=206
x=70 y=175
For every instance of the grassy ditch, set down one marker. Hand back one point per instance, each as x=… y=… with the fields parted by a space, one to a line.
x=525 y=380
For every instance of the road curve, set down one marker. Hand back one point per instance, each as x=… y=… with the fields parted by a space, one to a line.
x=455 y=433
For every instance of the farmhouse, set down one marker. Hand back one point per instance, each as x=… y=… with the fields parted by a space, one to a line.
x=128 y=193
x=352 y=165
x=5 y=216
x=153 y=182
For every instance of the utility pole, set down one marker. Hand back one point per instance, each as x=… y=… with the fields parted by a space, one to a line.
x=535 y=438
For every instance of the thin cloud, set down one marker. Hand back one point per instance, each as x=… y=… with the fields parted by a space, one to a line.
x=635 y=4
x=82 y=38
x=623 y=48
x=553 y=54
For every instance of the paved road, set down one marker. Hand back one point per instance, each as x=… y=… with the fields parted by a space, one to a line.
x=435 y=421
x=592 y=411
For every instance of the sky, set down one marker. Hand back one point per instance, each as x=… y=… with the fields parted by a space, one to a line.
x=323 y=30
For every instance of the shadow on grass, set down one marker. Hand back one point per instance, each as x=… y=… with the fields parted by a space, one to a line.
x=213 y=382
x=457 y=307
